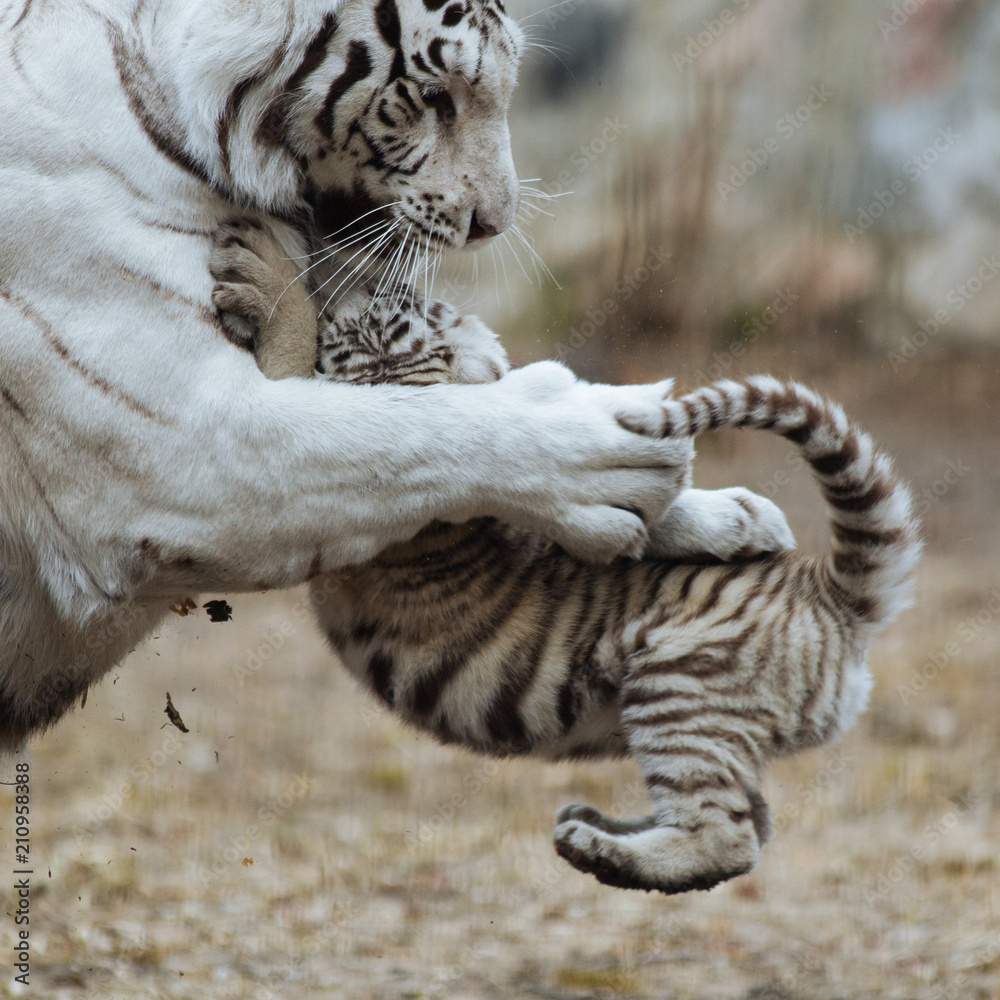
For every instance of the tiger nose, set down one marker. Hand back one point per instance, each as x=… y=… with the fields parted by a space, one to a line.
x=479 y=230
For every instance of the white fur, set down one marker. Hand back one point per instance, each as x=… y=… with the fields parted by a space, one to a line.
x=230 y=481
x=720 y=523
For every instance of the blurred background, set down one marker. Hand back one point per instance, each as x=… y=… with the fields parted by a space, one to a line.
x=794 y=186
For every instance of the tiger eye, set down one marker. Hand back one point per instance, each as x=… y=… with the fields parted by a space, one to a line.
x=441 y=102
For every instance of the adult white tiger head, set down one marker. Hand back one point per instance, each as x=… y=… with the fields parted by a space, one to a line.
x=368 y=103
x=420 y=119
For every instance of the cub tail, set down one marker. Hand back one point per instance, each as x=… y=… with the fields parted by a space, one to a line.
x=875 y=532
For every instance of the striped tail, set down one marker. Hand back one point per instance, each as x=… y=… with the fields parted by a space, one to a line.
x=875 y=533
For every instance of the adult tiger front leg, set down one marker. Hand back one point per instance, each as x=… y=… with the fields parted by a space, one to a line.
x=143 y=455
x=375 y=334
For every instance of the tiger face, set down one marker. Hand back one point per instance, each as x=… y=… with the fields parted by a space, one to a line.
x=403 y=115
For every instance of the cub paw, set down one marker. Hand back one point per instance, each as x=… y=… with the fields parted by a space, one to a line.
x=585 y=813
x=723 y=525
x=261 y=301
x=479 y=356
x=764 y=529
x=250 y=271
x=589 y=850
x=665 y=859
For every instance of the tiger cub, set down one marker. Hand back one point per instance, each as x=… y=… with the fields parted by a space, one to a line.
x=495 y=639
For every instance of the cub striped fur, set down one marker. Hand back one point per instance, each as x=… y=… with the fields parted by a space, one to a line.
x=496 y=639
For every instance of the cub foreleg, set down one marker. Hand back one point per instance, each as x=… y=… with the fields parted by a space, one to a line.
x=258 y=291
x=724 y=525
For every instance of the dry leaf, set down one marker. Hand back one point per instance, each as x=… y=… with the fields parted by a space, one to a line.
x=174 y=716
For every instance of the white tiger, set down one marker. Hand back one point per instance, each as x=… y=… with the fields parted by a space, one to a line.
x=143 y=454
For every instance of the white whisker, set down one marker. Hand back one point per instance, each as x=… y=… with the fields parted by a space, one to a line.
x=333 y=251
x=413 y=285
x=532 y=211
x=553 y=50
x=368 y=249
x=399 y=279
x=383 y=273
x=358 y=268
x=347 y=240
x=328 y=253
x=496 y=271
x=378 y=208
x=434 y=265
x=556 y=52
x=352 y=238
x=385 y=282
x=506 y=276
x=538 y=13
x=519 y=236
x=545 y=195
x=405 y=276
x=527 y=187
x=517 y=260
x=422 y=264
x=536 y=257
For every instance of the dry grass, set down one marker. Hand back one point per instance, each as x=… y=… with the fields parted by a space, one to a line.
x=386 y=866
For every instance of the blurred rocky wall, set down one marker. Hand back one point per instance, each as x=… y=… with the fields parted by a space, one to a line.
x=826 y=170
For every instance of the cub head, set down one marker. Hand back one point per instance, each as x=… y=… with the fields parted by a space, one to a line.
x=397 y=110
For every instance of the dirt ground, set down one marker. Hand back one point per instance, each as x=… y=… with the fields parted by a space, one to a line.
x=299 y=843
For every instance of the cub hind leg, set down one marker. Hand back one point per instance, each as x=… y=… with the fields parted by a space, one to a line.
x=700 y=763
x=689 y=842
